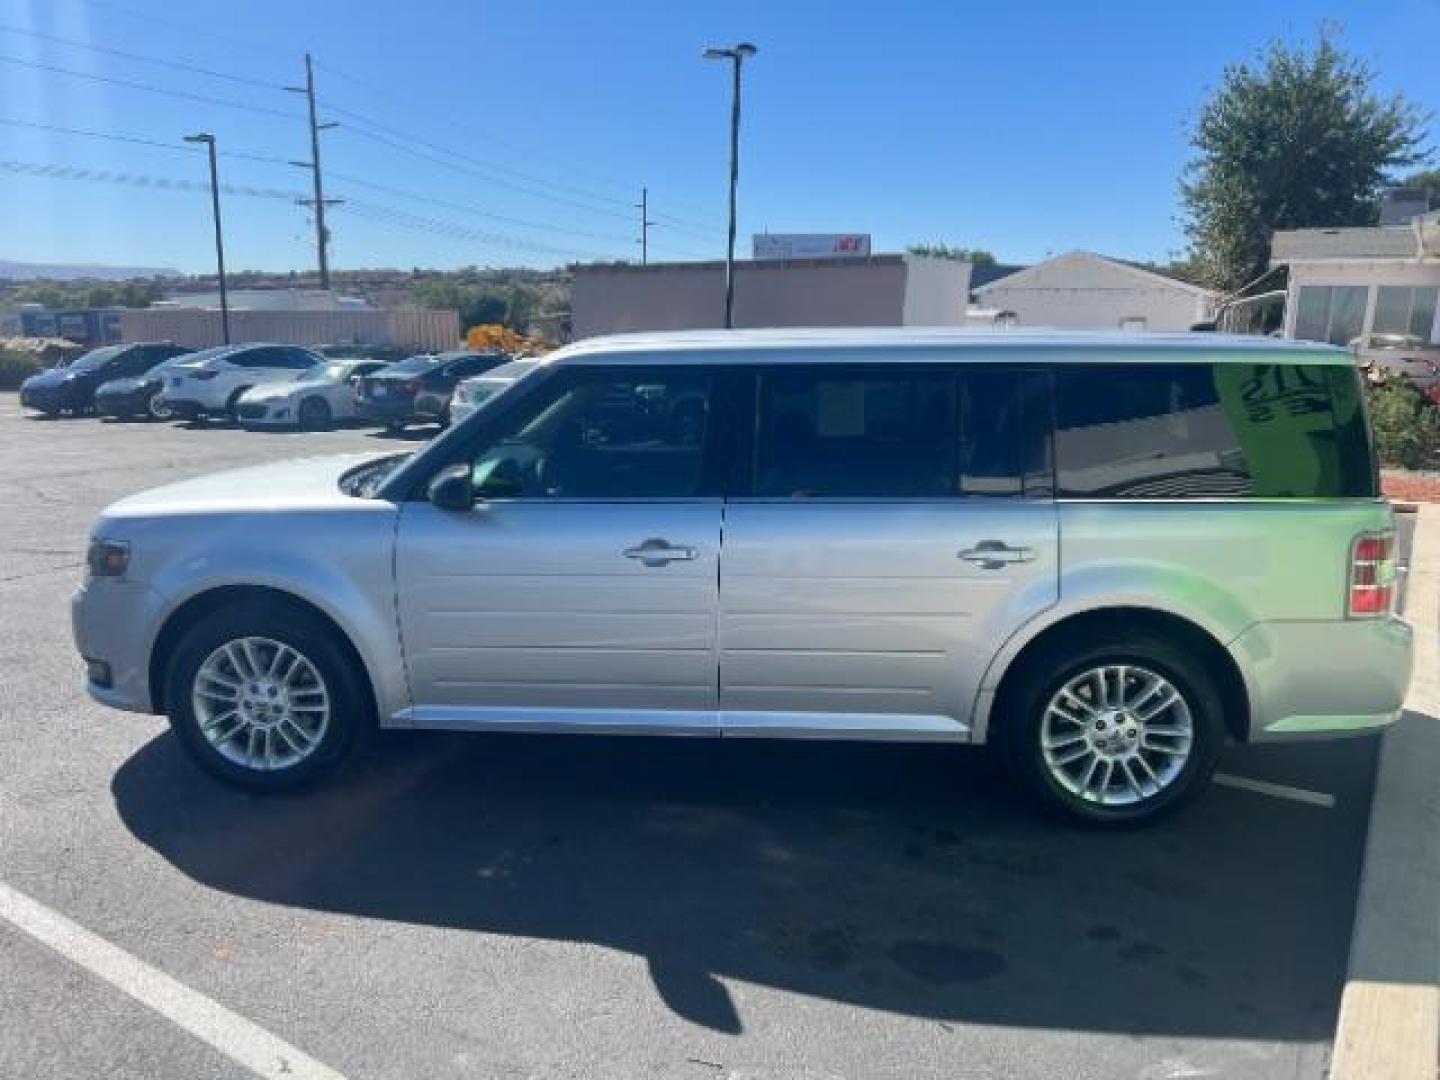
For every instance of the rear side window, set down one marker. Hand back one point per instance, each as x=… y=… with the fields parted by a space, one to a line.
x=895 y=432
x=1194 y=431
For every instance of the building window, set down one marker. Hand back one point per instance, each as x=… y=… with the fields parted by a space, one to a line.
x=1403 y=309
x=1333 y=313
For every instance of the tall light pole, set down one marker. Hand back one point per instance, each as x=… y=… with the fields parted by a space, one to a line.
x=209 y=141
x=737 y=55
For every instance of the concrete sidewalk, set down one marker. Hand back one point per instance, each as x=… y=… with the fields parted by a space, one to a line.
x=1389 y=1026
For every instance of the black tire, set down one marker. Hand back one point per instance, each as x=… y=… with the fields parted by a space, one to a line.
x=351 y=715
x=232 y=405
x=156 y=409
x=394 y=427
x=1030 y=689
x=313 y=414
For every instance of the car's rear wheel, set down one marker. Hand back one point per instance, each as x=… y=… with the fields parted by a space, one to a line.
x=1113 y=732
x=313 y=414
x=157 y=408
x=394 y=427
x=264 y=698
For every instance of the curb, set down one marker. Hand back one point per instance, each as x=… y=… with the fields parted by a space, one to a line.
x=1389 y=1025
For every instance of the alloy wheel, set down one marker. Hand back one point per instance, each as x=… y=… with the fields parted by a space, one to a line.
x=261 y=704
x=1116 y=735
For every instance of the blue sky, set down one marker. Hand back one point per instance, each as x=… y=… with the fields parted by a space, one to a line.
x=1024 y=128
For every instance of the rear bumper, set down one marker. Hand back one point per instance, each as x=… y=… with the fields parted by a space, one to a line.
x=385 y=410
x=1319 y=679
x=432 y=406
x=127 y=404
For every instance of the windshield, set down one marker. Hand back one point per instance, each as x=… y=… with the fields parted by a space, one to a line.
x=96 y=357
x=331 y=372
x=413 y=365
x=195 y=359
x=365 y=481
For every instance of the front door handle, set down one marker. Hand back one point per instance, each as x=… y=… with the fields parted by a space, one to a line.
x=996 y=554
x=660 y=552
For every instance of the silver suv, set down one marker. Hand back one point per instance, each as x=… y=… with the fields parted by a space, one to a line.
x=1106 y=555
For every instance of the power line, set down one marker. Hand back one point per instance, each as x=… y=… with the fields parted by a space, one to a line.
x=174 y=64
x=202 y=98
x=139 y=180
x=109 y=136
x=404 y=219
x=392 y=94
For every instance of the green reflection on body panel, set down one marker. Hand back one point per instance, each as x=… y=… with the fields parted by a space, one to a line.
x=1285 y=418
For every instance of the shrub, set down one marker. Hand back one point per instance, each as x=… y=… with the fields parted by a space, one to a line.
x=17 y=366
x=1406 y=422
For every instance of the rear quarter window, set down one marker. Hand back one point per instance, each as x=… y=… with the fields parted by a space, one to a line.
x=1195 y=431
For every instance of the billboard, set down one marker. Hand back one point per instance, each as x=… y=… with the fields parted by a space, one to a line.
x=811 y=245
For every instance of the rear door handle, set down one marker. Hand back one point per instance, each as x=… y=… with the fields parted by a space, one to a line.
x=996 y=554
x=660 y=552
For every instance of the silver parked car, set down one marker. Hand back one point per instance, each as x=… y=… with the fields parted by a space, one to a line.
x=1105 y=554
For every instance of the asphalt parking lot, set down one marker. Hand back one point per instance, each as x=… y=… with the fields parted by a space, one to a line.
x=587 y=907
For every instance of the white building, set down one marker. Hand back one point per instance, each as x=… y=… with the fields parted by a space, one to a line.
x=268 y=300
x=1082 y=289
x=1346 y=282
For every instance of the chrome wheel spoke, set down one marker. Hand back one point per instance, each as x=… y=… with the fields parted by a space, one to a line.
x=260 y=703
x=1116 y=735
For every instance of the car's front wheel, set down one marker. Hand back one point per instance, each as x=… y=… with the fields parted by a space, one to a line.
x=1114 y=732
x=157 y=408
x=313 y=414
x=263 y=697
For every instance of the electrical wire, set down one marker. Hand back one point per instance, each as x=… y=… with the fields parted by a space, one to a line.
x=174 y=64
x=183 y=95
x=140 y=180
x=138 y=141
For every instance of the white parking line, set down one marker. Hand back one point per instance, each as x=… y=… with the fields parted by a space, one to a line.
x=241 y=1041
x=1279 y=791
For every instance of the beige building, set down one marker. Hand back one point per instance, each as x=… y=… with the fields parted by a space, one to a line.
x=199 y=328
x=879 y=290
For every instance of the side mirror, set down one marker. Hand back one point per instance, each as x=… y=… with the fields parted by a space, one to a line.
x=452 y=489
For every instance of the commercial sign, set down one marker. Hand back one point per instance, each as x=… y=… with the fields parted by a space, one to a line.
x=811 y=245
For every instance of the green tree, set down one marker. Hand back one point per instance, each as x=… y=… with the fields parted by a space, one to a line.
x=1428 y=181
x=974 y=256
x=1295 y=139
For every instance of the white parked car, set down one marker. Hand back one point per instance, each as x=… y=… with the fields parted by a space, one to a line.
x=315 y=398
x=471 y=393
x=212 y=384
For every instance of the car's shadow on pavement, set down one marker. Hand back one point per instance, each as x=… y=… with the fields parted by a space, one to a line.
x=906 y=879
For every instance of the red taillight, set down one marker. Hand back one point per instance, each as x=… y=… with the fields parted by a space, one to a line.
x=1372 y=574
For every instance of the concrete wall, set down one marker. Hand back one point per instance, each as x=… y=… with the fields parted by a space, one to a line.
x=1083 y=291
x=937 y=292
x=691 y=296
x=409 y=328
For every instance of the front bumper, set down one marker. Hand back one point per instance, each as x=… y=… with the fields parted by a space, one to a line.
x=266 y=413
x=48 y=401
x=109 y=620
x=187 y=408
x=1318 y=679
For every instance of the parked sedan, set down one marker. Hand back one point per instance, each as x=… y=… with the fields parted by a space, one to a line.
x=475 y=391
x=418 y=390
x=211 y=383
x=72 y=388
x=314 y=399
x=139 y=396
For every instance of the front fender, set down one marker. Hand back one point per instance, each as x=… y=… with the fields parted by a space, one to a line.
x=345 y=569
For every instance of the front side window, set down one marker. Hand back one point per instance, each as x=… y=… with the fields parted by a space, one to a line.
x=602 y=434
x=891 y=432
x=1332 y=313
x=1188 y=431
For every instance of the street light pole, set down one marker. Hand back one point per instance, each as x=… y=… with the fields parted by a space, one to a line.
x=737 y=55
x=209 y=141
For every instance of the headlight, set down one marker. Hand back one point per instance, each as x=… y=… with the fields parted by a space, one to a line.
x=108 y=558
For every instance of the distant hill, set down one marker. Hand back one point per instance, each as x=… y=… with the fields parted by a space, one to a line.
x=19 y=271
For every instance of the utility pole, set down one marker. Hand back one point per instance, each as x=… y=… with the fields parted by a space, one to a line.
x=209 y=141
x=319 y=202
x=644 y=207
x=737 y=55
